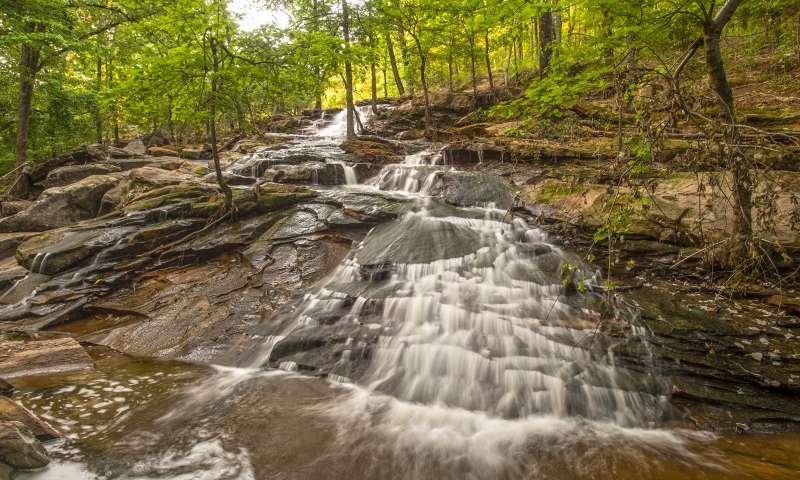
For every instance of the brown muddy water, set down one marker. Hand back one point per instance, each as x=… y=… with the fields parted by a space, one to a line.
x=148 y=419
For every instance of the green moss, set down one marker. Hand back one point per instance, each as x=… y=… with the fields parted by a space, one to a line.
x=552 y=191
x=164 y=196
x=200 y=170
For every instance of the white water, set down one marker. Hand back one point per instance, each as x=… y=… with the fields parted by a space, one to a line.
x=338 y=126
x=481 y=356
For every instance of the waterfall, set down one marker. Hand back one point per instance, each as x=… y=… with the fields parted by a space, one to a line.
x=474 y=315
x=338 y=125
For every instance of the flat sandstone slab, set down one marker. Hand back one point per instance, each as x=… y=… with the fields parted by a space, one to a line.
x=39 y=357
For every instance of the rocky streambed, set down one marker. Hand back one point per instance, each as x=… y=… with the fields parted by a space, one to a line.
x=367 y=311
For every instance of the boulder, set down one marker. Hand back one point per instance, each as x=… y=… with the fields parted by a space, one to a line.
x=61 y=206
x=247 y=146
x=307 y=173
x=373 y=149
x=72 y=173
x=6 y=389
x=11 y=207
x=161 y=152
x=417 y=239
x=232 y=179
x=158 y=137
x=165 y=163
x=10 y=241
x=195 y=153
x=11 y=411
x=56 y=250
x=85 y=154
x=19 y=449
x=115 y=152
x=38 y=357
x=469 y=189
x=136 y=147
x=411 y=134
x=9 y=276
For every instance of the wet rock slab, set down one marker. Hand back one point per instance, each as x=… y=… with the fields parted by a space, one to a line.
x=38 y=357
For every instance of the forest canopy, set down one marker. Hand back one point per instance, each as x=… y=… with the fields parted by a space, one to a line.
x=93 y=71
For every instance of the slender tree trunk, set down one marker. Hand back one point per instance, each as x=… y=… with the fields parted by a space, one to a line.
x=532 y=39
x=98 y=119
x=29 y=67
x=212 y=124
x=538 y=37
x=393 y=60
x=406 y=57
x=170 y=121
x=546 y=40
x=557 y=23
x=114 y=116
x=423 y=60
x=450 y=71
x=741 y=171
x=630 y=60
x=507 y=71
x=373 y=78
x=348 y=71
x=488 y=62
x=474 y=70
x=385 y=84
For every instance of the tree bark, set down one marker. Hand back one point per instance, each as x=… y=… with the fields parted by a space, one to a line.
x=348 y=71
x=114 y=117
x=393 y=60
x=450 y=71
x=488 y=62
x=423 y=60
x=546 y=40
x=406 y=57
x=373 y=78
x=474 y=70
x=29 y=67
x=98 y=118
x=212 y=124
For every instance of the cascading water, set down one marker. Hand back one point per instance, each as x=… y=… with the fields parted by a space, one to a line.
x=477 y=316
x=460 y=353
x=474 y=327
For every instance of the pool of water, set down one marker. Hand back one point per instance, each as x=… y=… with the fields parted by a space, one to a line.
x=148 y=419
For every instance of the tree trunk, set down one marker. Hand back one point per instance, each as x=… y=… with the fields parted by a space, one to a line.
x=557 y=24
x=630 y=61
x=29 y=67
x=423 y=60
x=373 y=78
x=739 y=165
x=385 y=85
x=450 y=71
x=488 y=62
x=406 y=57
x=98 y=114
x=212 y=125
x=114 y=117
x=393 y=60
x=532 y=39
x=348 y=71
x=474 y=70
x=507 y=71
x=546 y=40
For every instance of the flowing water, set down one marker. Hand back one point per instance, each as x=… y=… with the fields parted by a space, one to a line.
x=482 y=365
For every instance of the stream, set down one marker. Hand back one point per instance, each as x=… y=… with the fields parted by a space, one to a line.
x=464 y=356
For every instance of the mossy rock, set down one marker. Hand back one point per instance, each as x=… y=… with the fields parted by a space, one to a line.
x=271 y=196
x=169 y=195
